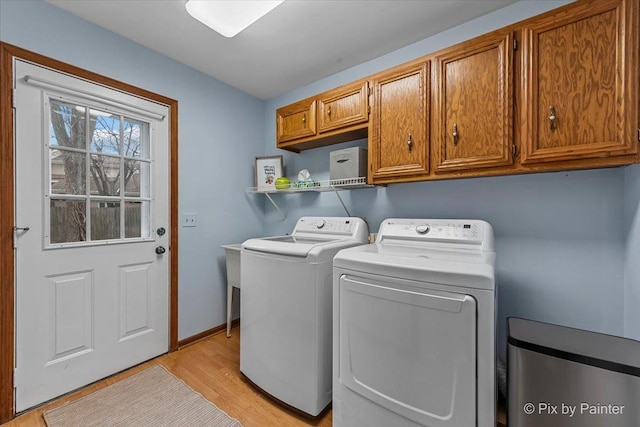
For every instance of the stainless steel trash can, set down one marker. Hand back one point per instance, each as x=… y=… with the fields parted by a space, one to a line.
x=565 y=377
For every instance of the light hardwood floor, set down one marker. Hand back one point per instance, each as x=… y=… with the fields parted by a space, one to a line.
x=212 y=368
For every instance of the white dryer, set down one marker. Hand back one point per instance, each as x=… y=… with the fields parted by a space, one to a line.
x=414 y=327
x=285 y=330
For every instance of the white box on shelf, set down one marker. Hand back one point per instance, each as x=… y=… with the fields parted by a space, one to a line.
x=348 y=163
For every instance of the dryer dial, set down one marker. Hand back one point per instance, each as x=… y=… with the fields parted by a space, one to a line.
x=422 y=229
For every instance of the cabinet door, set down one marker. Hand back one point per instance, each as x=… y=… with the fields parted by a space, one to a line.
x=399 y=144
x=344 y=106
x=296 y=120
x=580 y=82
x=474 y=93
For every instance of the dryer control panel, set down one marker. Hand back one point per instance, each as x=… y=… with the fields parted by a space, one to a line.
x=467 y=232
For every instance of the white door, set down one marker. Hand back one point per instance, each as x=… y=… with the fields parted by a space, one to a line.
x=92 y=186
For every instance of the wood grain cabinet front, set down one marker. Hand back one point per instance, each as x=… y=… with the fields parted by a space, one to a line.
x=399 y=127
x=345 y=106
x=332 y=117
x=559 y=91
x=474 y=104
x=296 y=121
x=580 y=82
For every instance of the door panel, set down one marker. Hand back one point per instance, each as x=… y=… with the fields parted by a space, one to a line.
x=399 y=145
x=71 y=313
x=296 y=121
x=587 y=117
x=135 y=301
x=92 y=296
x=345 y=106
x=576 y=83
x=474 y=99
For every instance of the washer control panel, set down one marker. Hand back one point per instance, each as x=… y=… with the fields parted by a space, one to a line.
x=329 y=225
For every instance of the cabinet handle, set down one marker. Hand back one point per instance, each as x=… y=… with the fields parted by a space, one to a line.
x=454 y=134
x=329 y=111
x=304 y=118
x=410 y=141
x=552 y=119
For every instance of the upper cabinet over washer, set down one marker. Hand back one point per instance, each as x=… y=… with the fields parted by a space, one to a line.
x=296 y=121
x=345 y=106
x=559 y=91
x=342 y=115
x=399 y=135
x=473 y=113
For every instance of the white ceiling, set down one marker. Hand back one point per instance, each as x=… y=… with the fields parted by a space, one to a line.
x=299 y=42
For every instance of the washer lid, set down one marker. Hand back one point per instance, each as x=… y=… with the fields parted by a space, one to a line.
x=298 y=246
x=314 y=235
x=464 y=268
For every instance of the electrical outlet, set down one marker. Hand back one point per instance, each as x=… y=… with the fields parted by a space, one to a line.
x=189 y=220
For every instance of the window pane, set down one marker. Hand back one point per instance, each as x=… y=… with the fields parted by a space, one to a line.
x=136 y=219
x=68 y=172
x=67 y=221
x=105 y=132
x=105 y=220
x=136 y=182
x=68 y=125
x=105 y=175
x=135 y=137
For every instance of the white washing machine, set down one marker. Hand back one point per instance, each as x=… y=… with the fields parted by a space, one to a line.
x=414 y=327
x=285 y=331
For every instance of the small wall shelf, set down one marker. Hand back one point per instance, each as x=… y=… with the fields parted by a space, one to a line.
x=334 y=185
x=329 y=185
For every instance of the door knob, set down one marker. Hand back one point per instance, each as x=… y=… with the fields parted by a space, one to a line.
x=160 y=250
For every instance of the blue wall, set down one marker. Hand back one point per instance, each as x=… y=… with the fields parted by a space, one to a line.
x=220 y=133
x=632 y=252
x=561 y=239
x=566 y=242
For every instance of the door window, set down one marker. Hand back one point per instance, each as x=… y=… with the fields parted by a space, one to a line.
x=99 y=169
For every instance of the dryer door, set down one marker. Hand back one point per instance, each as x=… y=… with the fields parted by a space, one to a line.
x=410 y=350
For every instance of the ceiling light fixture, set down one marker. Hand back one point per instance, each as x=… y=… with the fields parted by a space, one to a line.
x=229 y=17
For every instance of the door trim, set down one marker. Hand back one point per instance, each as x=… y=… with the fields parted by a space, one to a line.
x=7 y=205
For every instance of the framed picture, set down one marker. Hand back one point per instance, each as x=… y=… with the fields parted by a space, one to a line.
x=267 y=170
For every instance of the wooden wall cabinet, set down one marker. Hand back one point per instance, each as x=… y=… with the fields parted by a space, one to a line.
x=559 y=91
x=473 y=113
x=345 y=106
x=335 y=116
x=399 y=129
x=580 y=83
x=296 y=121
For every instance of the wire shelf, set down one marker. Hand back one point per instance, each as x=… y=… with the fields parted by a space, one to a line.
x=328 y=185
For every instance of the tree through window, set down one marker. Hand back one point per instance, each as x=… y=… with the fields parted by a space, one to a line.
x=99 y=173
